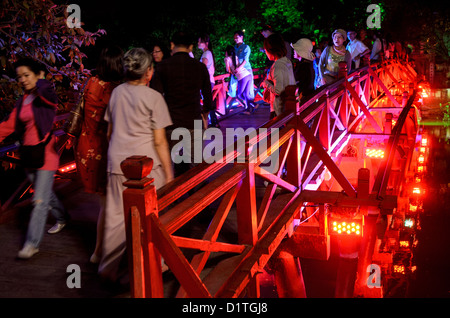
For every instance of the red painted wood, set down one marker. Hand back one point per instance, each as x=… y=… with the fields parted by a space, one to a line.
x=137 y=287
x=186 y=210
x=363 y=108
x=238 y=184
x=176 y=261
x=246 y=208
x=140 y=197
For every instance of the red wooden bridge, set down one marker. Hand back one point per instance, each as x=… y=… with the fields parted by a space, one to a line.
x=349 y=162
x=343 y=169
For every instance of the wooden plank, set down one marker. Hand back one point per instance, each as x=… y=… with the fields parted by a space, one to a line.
x=258 y=256
x=176 y=261
x=186 y=210
x=266 y=175
x=339 y=198
x=182 y=184
x=246 y=208
x=137 y=283
x=208 y=246
x=199 y=260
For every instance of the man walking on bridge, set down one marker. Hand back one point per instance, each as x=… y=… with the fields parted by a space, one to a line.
x=183 y=81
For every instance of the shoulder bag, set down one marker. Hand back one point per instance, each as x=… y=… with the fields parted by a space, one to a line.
x=33 y=157
x=73 y=124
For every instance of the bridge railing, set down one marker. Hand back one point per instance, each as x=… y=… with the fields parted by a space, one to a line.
x=305 y=141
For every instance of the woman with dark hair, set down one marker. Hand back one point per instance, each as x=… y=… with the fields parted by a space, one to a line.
x=281 y=73
x=207 y=58
x=159 y=52
x=32 y=118
x=92 y=146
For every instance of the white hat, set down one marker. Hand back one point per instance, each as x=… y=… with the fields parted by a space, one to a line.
x=304 y=48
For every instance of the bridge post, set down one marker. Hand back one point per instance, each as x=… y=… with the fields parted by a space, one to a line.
x=139 y=202
x=247 y=215
x=388 y=123
x=343 y=71
x=293 y=165
x=288 y=275
x=368 y=240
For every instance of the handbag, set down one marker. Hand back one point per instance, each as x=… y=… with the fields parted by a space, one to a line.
x=73 y=124
x=33 y=157
x=266 y=96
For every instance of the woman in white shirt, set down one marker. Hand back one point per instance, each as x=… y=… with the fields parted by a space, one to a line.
x=137 y=116
x=207 y=58
x=281 y=73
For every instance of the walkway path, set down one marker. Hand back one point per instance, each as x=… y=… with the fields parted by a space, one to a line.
x=45 y=274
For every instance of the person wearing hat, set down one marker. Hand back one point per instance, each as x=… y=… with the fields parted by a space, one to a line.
x=331 y=56
x=304 y=69
x=356 y=48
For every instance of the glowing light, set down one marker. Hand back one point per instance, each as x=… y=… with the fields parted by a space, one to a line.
x=67 y=168
x=399 y=269
x=421 y=158
x=424 y=142
x=416 y=190
x=374 y=153
x=346 y=227
x=404 y=244
x=420 y=169
x=422 y=149
x=409 y=222
x=412 y=208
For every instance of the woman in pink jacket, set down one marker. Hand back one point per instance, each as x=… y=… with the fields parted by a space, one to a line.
x=32 y=119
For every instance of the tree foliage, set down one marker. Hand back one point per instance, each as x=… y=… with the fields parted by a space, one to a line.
x=38 y=29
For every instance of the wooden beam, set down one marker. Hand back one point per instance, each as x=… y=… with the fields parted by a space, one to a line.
x=385 y=89
x=186 y=210
x=138 y=281
x=326 y=159
x=389 y=202
x=176 y=261
x=363 y=107
x=204 y=245
x=258 y=256
x=266 y=175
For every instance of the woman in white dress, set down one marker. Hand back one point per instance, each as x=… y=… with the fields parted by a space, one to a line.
x=137 y=117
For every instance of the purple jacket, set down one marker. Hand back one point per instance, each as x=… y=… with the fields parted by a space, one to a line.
x=44 y=108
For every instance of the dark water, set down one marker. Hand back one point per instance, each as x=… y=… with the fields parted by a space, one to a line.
x=432 y=255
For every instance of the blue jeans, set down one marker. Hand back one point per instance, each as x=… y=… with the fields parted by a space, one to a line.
x=44 y=200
